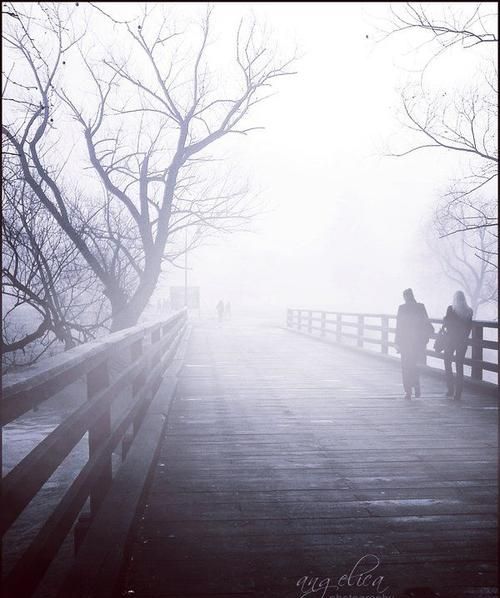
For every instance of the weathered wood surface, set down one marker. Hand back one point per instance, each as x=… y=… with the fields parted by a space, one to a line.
x=286 y=458
x=113 y=412
x=99 y=561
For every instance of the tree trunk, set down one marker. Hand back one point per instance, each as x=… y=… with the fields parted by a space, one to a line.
x=127 y=313
x=126 y=317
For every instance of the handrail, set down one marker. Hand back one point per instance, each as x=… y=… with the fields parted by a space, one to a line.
x=148 y=349
x=339 y=329
x=25 y=389
x=484 y=323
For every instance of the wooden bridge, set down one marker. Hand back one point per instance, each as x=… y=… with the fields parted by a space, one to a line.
x=255 y=461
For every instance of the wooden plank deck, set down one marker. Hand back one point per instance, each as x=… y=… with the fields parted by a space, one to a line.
x=285 y=458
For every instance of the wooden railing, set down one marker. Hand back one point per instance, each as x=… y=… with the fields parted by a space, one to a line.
x=143 y=352
x=377 y=331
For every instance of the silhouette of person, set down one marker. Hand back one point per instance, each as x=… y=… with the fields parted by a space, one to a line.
x=413 y=330
x=457 y=324
x=227 y=310
x=220 y=310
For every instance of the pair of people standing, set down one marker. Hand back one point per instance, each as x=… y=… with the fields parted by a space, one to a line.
x=223 y=311
x=413 y=331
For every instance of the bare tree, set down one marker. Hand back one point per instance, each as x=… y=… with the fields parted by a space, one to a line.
x=468 y=256
x=155 y=111
x=463 y=124
x=457 y=213
x=463 y=121
x=49 y=295
x=454 y=27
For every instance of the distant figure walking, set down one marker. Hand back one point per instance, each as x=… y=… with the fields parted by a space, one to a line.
x=220 y=310
x=457 y=325
x=413 y=330
x=227 y=310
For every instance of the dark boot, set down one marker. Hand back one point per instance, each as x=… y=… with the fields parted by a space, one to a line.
x=450 y=383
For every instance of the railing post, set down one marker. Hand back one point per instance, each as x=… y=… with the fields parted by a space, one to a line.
x=289 y=318
x=384 y=339
x=155 y=358
x=339 y=328
x=81 y=528
x=136 y=351
x=97 y=380
x=361 y=325
x=299 y=319
x=310 y=322
x=323 y=323
x=477 y=352
x=127 y=440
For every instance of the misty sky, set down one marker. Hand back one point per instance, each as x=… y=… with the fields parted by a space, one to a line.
x=344 y=222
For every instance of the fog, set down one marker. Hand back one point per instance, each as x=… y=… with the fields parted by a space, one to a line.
x=265 y=154
x=341 y=223
x=343 y=226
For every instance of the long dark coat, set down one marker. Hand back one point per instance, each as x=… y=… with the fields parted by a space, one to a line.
x=413 y=327
x=457 y=328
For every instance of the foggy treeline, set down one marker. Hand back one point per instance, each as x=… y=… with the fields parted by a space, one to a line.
x=136 y=133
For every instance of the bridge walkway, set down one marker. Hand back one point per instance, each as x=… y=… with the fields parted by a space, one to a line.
x=286 y=458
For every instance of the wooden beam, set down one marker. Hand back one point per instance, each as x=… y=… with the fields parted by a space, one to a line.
x=99 y=562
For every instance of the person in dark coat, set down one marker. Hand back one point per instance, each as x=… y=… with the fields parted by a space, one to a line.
x=220 y=310
x=413 y=330
x=457 y=325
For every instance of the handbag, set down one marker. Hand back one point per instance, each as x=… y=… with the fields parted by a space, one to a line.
x=441 y=341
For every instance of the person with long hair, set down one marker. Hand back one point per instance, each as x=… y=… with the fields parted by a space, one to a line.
x=413 y=331
x=457 y=325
